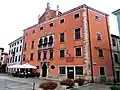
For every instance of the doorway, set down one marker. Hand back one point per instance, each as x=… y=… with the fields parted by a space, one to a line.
x=70 y=72
x=118 y=76
x=44 y=70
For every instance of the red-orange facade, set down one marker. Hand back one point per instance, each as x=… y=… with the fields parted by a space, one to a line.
x=70 y=44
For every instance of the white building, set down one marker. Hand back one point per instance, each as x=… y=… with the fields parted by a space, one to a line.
x=15 y=52
x=115 y=46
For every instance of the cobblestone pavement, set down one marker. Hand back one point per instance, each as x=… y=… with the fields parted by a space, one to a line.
x=14 y=83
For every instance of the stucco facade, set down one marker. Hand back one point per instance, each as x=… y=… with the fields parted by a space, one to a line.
x=15 y=52
x=70 y=44
x=115 y=44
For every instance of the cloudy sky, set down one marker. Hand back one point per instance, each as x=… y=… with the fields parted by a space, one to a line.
x=16 y=15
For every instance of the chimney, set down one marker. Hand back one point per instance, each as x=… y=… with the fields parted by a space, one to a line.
x=57 y=11
x=48 y=6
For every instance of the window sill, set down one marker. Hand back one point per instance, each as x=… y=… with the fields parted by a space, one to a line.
x=78 y=39
x=78 y=56
x=101 y=57
x=62 y=58
x=62 y=42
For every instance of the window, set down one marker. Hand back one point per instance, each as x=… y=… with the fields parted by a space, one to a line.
x=76 y=16
x=113 y=42
x=52 y=67
x=17 y=49
x=77 y=33
x=1 y=58
x=61 y=21
x=17 y=42
x=19 y=58
x=14 y=49
x=102 y=71
x=51 y=54
x=62 y=53
x=24 y=58
x=97 y=17
x=41 y=28
x=45 y=54
x=15 y=58
x=9 y=52
x=79 y=70
x=10 y=46
x=32 y=46
x=61 y=37
x=78 y=51
x=99 y=36
x=20 y=41
x=51 y=24
x=116 y=58
x=33 y=31
x=61 y=70
x=25 y=46
x=8 y=60
x=51 y=40
x=100 y=52
x=20 y=48
x=39 y=55
x=31 y=56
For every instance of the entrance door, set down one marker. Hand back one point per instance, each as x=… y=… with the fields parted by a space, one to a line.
x=44 y=70
x=117 y=74
x=70 y=72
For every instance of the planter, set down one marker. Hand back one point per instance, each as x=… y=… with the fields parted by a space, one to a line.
x=66 y=87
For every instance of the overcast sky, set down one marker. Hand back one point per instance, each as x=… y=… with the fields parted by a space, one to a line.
x=17 y=15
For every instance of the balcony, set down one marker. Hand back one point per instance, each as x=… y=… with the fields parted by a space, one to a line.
x=45 y=46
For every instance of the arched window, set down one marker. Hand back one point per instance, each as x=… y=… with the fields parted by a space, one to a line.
x=50 y=39
x=45 y=40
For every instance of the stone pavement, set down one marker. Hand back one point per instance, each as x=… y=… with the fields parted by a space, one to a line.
x=14 y=83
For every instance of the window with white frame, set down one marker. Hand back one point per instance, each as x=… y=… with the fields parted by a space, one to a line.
x=61 y=21
x=77 y=33
x=78 y=51
x=97 y=17
x=76 y=15
x=99 y=37
x=62 y=70
x=79 y=70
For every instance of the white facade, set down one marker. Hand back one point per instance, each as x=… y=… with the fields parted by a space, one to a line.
x=1 y=50
x=115 y=46
x=15 y=52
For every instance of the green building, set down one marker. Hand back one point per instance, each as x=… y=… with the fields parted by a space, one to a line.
x=117 y=13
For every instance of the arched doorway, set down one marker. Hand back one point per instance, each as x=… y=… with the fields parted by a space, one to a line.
x=44 y=70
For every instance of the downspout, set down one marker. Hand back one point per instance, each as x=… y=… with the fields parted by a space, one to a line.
x=90 y=47
x=110 y=50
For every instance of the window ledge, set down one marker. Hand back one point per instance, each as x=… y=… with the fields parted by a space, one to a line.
x=101 y=57
x=78 y=39
x=78 y=56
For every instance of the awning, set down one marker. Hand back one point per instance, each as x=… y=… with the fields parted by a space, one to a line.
x=28 y=66
x=14 y=66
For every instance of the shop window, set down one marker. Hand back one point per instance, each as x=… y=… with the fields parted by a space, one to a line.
x=62 y=70
x=79 y=70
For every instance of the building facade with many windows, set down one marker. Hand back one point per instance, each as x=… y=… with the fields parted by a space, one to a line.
x=70 y=44
x=15 y=52
x=115 y=45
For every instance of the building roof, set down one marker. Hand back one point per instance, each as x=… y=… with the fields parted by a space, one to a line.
x=15 y=40
x=69 y=11
x=112 y=35
x=116 y=12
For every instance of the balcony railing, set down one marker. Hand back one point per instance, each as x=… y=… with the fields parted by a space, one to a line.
x=45 y=46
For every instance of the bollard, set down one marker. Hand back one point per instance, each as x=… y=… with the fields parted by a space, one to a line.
x=34 y=86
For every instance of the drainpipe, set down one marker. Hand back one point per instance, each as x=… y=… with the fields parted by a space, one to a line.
x=110 y=51
x=90 y=47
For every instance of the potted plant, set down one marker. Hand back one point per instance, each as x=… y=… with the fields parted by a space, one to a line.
x=67 y=83
x=80 y=81
x=48 y=85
